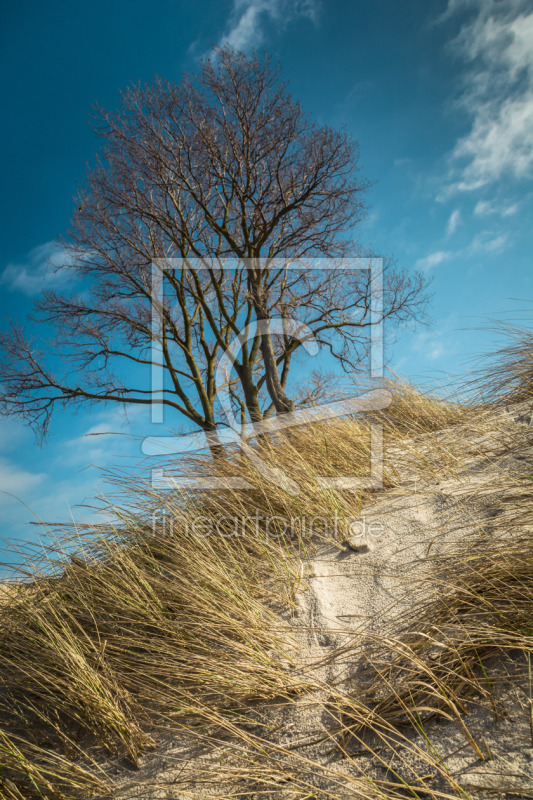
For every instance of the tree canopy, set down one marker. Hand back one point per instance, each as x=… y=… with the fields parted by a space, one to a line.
x=223 y=169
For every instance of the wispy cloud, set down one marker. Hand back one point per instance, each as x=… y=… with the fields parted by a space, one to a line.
x=497 y=43
x=453 y=222
x=47 y=265
x=483 y=242
x=248 y=19
x=443 y=342
x=15 y=480
x=432 y=345
x=485 y=207
x=14 y=434
x=488 y=243
x=433 y=260
x=101 y=440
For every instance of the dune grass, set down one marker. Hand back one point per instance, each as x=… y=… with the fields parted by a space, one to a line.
x=505 y=375
x=138 y=628
x=157 y=623
x=474 y=606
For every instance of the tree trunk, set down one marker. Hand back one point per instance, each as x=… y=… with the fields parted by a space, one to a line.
x=250 y=393
x=282 y=403
x=216 y=448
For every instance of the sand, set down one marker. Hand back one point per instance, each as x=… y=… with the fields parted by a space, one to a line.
x=352 y=593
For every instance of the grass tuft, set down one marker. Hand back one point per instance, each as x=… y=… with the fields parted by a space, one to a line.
x=168 y=618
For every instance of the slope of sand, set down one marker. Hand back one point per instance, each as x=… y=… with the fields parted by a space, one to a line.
x=350 y=593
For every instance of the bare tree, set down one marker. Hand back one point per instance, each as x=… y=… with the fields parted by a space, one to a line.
x=224 y=166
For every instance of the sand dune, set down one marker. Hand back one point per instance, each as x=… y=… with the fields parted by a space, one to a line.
x=365 y=592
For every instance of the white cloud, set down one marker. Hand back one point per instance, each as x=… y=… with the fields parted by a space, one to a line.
x=488 y=243
x=53 y=501
x=46 y=484
x=500 y=142
x=498 y=93
x=430 y=344
x=13 y=434
x=453 y=222
x=46 y=266
x=485 y=207
x=436 y=351
x=484 y=242
x=433 y=260
x=17 y=481
x=100 y=440
x=247 y=19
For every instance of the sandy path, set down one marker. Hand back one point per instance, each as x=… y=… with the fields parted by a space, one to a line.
x=349 y=593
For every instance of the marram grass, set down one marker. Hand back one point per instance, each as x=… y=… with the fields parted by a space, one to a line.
x=149 y=627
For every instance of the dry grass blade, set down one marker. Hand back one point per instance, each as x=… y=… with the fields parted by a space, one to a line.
x=150 y=626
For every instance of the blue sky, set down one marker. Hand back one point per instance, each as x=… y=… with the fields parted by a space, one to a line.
x=439 y=95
